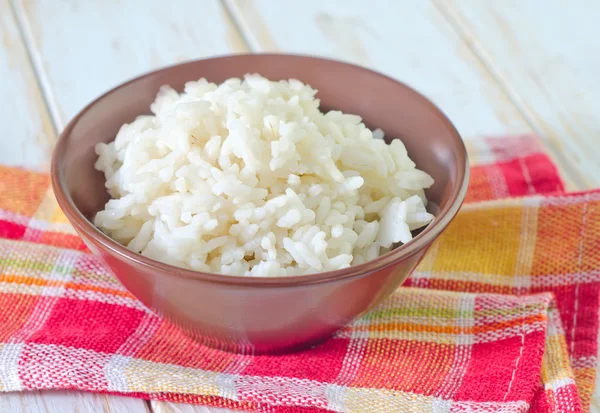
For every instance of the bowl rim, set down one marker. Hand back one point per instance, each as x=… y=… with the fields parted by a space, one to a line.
x=422 y=240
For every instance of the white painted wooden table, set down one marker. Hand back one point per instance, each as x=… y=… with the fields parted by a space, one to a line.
x=494 y=66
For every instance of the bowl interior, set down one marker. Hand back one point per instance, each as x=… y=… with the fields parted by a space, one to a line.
x=431 y=140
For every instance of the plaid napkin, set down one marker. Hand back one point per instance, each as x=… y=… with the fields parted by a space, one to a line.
x=501 y=316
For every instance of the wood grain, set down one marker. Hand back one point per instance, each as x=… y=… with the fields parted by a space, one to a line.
x=493 y=67
x=27 y=133
x=356 y=31
x=543 y=52
x=411 y=41
x=69 y=402
x=80 y=49
x=162 y=407
x=28 y=138
x=85 y=48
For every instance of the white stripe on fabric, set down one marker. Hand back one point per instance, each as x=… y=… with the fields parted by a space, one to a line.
x=126 y=374
x=519 y=406
x=37 y=290
x=114 y=372
x=572 y=199
x=42 y=225
x=448 y=338
x=557 y=384
x=524 y=259
x=13 y=217
x=462 y=350
x=144 y=332
x=544 y=280
x=336 y=396
x=10 y=354
x=497 y=182
x=61 y=272
x=355 y=352
x=584 y=362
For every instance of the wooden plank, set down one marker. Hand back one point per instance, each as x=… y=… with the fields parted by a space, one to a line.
x=543 y=51
x=28 y=138
x=437 y=64
x=162 y=407
x=409 y=40
x=84 y=48
x=74 y=68
x=27 y=133
x=69 y=402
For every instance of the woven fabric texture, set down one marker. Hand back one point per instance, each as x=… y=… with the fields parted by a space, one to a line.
x=501 y=315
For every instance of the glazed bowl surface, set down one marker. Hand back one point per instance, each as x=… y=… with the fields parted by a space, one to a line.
x=276 y=314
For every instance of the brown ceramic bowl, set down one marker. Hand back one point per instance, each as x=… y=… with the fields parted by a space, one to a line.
x=259 y=315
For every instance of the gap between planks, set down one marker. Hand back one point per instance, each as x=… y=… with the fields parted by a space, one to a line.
x=36 y=62
x=78 y=401
x=462 y=30
x=238 y=23
x=451 y=15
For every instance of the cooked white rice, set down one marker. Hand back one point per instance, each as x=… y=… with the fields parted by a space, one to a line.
x=249 y=178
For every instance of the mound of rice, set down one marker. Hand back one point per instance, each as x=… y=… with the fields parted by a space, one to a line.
x=249 y=178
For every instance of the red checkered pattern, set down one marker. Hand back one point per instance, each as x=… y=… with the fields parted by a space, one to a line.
x=505 y=316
